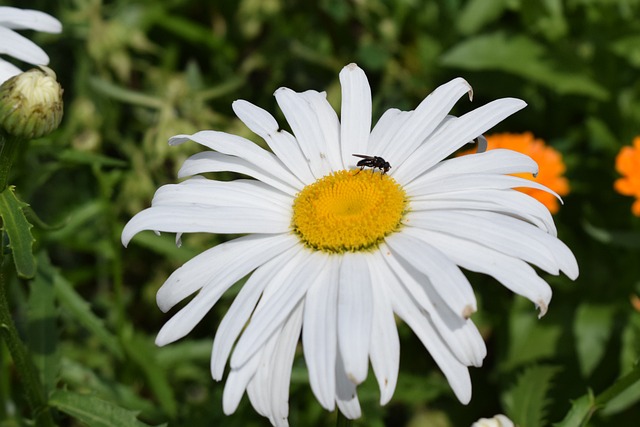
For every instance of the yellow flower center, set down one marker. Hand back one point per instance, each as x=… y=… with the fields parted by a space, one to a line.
x=348 y=211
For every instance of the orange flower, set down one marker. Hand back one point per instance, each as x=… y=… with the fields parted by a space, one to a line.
x=628 y=164
x=549 y=161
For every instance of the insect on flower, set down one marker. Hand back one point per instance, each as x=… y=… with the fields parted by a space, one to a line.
x=374 y=162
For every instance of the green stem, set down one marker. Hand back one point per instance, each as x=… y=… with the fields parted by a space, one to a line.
x=23 y=364
x=8 y=153
x=619 y=387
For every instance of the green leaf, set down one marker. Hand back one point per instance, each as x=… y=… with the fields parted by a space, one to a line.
x=625 y=239
x=600 y=136
x=526 y=402
x=592 y=328
x=84 y=379
x=624 y=393
x=76 y=306
x=143 y=353
x=583 y=408
x=628 y=48
x=93 y=411
x=521 y=56
x=477 y=13
x=89 y=158
x=580 y=412
x=18 y=229
x=530 y=339
x=42 y=328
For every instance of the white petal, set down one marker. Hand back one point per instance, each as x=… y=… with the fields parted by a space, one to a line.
x=460 y=335
x=281 y=361
x=446 y=277
x=258 y=388
x=355 y=312
x=454 y=134
x=355 y=115
x=247 y=252
x=28 y=19
x=496 y=161
x=283 y=144
x=21 y=47
x=210 y=161
x=237 y=146
x=513 y=273
x=319 y=335
x=239 y=193
x=302 y=118
x=510 y=202
x=240 y=310
x=329 y=126
x=422 y=122
x=423 y=186
x=456 y=373
x=237 y=383
x=7 y=70
x=497 y=232
x=388 y=125
x=562 y=254
x=346 y=395
x=288 y=289
x=203 y=219
x=189 y=316
x=384 y=349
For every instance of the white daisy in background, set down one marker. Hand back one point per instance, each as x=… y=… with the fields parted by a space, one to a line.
x=497 y=421
x=19 y=47
x=336 y=252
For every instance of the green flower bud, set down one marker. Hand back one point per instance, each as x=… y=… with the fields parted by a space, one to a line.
x=31 y=103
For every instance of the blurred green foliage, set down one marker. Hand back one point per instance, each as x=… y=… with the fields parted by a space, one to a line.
x=138 y=72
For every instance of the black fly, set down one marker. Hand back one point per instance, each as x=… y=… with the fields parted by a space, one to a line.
x=373 y=162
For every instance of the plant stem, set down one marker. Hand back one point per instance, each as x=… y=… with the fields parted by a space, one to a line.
x=8 y=153
x=19 y=353
x=23 y=364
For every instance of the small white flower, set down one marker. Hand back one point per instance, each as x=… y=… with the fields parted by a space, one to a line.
x=13 y=44
x=341 y=251
x=497 y=421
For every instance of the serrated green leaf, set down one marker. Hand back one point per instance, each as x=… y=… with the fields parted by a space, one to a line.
x=18 y=229
x=93 y=411
x=526 y=402
x=42 y=328
x=83 y=379
x=579 y=413
x=521 y=56
x=76 y=306
x=592 y=328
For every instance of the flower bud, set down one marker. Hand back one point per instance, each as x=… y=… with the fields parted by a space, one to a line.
x=31 y=104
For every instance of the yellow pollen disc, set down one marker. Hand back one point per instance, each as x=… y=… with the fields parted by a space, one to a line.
x=348 y=211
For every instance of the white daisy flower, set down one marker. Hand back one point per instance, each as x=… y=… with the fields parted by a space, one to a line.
x=497 y=421
x=342 y=250
x=13 y=44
